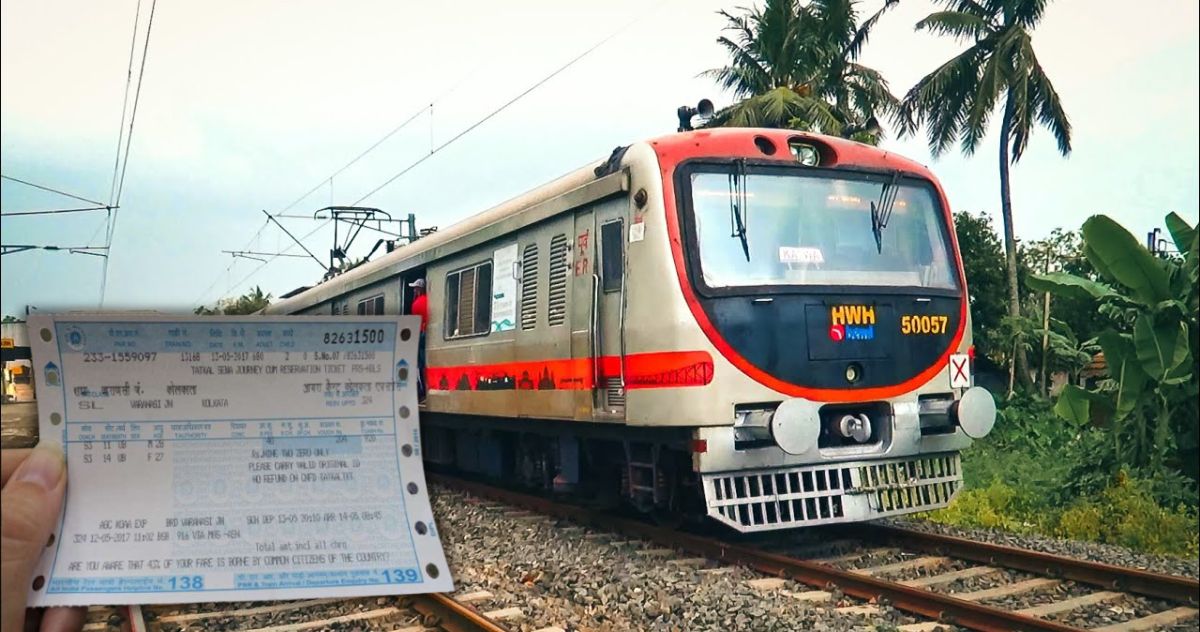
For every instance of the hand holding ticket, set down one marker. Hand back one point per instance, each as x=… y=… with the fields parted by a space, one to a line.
x=234 y=458
x=34 y=484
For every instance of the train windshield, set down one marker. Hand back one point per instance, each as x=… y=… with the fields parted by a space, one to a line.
x=763 y=229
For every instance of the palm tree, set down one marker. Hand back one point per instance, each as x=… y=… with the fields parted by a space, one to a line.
x=794 y=66
x=955 y=101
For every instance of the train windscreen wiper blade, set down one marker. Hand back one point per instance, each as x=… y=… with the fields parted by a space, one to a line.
x=882 y=212
x=738 y=213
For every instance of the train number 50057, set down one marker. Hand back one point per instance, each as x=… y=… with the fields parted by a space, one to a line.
x=923 y=324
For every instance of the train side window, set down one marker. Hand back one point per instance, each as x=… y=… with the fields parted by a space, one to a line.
x=557 y=273
x=371 y=306
x=469 y=301
x=612 y=255
x=529 y=278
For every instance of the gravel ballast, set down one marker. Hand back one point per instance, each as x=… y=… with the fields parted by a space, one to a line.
x=578 y=579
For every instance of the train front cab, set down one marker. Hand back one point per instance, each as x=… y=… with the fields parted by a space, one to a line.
x=841 y=379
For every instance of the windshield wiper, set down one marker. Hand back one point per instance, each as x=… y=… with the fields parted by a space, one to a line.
x=738 y=214
x=882 y=212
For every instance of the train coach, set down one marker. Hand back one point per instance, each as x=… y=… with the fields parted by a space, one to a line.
x=766 y=327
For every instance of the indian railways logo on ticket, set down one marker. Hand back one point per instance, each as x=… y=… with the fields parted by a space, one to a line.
x=234 y=458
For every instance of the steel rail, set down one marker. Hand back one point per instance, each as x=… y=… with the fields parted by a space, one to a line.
x=926 y=603
x=1184 y=590
x=442 y=611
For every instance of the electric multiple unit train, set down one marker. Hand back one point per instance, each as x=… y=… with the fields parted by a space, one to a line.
x=767 y=327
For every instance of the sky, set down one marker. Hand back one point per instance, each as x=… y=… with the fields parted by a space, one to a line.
x=245 y=106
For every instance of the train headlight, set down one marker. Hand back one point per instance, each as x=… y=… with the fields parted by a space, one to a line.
x=805 y=154
x=853 y=372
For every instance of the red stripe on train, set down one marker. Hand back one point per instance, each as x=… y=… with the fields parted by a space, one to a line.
x=664 y=369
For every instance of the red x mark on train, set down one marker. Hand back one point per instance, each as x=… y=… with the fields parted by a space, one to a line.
x=958 y=368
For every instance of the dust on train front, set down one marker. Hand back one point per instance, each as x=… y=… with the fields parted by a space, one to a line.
x=839 y=289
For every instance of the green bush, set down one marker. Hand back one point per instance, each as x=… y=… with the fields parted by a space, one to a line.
x=1124 y=513
x=991 y=508
x=1038 y=473
x=1134 y=519
x=1081 y=522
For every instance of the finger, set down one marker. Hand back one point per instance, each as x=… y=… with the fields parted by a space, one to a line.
x=32 y=499
x=33 y=619
x=9 y=460
x=64 y=619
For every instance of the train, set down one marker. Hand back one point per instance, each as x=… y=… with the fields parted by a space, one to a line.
x=766 y=328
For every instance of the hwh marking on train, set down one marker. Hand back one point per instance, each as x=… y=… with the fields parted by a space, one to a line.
x=852 y=315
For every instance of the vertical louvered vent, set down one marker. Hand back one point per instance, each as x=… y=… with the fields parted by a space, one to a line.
x=558 y=280
x=614 y=394
x=466 y=302
x=529 y=276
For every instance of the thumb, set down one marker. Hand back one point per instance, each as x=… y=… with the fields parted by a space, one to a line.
x=32 y=499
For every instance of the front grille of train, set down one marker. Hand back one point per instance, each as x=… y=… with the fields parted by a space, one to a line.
x=903 y=486
x=824 y=494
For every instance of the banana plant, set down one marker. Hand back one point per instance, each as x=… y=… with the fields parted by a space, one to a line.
x=1150 y=350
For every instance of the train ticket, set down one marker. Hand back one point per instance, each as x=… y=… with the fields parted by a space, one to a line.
x=234 y=458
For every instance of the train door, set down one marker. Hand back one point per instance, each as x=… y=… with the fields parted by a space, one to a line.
x=543 y=334
x=600 y=287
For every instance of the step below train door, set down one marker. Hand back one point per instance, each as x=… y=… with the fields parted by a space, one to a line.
x=600 y=291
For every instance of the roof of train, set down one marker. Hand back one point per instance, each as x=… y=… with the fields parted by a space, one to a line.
x=740 y=142
x=673 y=147
x=321 y=292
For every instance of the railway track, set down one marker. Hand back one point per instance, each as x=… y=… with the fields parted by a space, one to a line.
x=859 y=575
x=417 y=613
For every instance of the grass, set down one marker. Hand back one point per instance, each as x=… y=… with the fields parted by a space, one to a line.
x=1035 y=475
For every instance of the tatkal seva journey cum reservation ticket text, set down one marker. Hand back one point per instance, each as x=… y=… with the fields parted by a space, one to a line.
x=234 y=459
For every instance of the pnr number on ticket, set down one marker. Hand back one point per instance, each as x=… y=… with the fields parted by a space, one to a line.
x=234 y=458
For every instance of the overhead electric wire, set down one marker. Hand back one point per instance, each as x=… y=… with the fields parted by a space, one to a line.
x=366 y=151
x=498 y=110
x=52 y=190
x=9 y=249
x=137 y=95
x=56 y=211
x=337 y=172
x=276 y=256
x=112 y=191
x=432 y=151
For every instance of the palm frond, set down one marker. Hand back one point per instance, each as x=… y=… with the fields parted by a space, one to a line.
x=793 y=62
x=852 y=49
x=1025 y=13
x=1022 y=115
x=1050 y=111
x=995 y=70
x=871 y=91
x=960 y=26
x=940 y=100
x=746 y=75
x=971 y=7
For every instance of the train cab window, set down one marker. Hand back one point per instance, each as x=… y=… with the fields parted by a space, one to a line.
x=469 y=301
x=612 y=255
x=371 y=306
